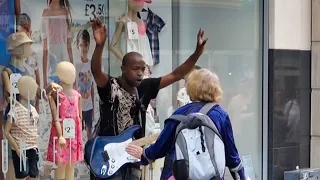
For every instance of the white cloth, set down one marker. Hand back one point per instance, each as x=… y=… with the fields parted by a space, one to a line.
x=85 y=84
x=150 y=124
x=140 y=45
x=183 y=97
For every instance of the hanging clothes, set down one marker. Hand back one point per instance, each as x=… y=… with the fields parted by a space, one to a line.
x=154 y=26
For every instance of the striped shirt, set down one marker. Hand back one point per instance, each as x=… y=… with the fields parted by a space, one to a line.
x=24 y=125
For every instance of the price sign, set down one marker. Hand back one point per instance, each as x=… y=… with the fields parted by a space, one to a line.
x=14 y=78
x=92 y=10
x=69 y=131
x=132 y=30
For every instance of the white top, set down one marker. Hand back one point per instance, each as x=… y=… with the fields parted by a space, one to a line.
x=85 y=84
x=183 y=97
x=140 y=45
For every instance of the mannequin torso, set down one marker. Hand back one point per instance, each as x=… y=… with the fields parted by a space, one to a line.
x=69 y=151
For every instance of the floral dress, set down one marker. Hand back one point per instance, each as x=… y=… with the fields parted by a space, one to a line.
x=69 y=108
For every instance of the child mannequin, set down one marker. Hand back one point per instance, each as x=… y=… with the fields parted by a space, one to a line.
x=69 y=110
x=23 y=126
x=139 y=44
x=19 y=45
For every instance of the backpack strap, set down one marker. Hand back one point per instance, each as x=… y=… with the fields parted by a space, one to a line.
x=207 y=107
x=178 y=118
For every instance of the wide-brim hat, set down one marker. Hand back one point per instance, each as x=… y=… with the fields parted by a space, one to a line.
x=17 y=39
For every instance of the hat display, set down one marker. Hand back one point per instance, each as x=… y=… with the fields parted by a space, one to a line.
x=148 y=1
x=16 y=39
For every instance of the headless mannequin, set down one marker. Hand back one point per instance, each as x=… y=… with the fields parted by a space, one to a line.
x=28 y=89
x=67 y=75
x=133 y=8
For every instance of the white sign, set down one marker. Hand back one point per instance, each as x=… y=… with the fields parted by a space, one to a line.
x=132 y=30
x=69 y=128
x=93 y=9
x=14 y=78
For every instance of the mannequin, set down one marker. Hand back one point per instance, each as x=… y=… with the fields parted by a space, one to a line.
x=23 y=126
x=69 y=110
x=19 y=45
x=138 y=44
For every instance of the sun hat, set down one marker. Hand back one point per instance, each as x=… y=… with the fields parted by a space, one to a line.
x=17 y=39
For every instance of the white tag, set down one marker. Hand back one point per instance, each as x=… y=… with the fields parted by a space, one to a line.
x=69 y=131
x=132 y=30
x=14 y=78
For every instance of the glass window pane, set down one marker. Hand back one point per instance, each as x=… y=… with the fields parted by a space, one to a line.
x=233 y=52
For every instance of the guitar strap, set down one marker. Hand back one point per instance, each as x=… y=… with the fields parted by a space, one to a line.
x=141 y=113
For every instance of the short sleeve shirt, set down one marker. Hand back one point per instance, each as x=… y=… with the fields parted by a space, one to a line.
x=25 y=125
x=118 y=108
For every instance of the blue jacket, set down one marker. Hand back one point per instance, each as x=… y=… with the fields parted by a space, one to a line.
x=164 y=146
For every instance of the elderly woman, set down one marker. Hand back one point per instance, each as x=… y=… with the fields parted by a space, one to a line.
x=202 y=86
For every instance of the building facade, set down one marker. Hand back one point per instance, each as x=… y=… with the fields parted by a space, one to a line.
x=265 y=53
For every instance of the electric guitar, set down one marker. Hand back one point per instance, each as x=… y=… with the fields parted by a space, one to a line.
x=108 y=154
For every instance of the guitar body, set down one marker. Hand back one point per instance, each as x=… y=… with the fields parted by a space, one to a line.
x=105 y=155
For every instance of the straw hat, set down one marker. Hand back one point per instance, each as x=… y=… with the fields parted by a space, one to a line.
x=16 y=39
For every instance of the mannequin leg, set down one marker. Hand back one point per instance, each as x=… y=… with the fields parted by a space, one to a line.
x=69 y=171
x=10 y=174
x=59 y=173
x=30 y=178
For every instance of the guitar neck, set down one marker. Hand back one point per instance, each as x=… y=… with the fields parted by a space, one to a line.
x=146 y=140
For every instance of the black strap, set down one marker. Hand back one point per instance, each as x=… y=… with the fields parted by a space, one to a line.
x=141 y=113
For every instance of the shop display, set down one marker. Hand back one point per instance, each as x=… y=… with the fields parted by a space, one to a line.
x=131 y=33
x=19 y=45
x=21 y=130
x=59 y=34
x=65 y=143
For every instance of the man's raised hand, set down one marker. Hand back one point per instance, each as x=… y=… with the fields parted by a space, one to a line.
x=99 y=31
x=201 y=42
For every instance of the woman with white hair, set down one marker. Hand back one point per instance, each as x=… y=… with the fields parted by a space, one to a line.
x=203 y=87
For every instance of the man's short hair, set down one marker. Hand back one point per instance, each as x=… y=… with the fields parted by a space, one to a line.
x=126 y=58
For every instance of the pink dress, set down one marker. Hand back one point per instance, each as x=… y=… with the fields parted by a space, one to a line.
x=68 y=109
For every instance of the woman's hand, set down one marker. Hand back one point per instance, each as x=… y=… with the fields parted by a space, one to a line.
x=135 y=151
